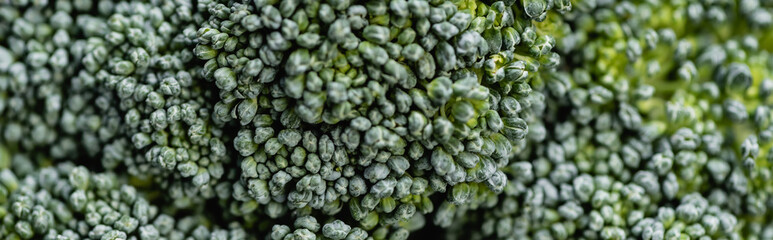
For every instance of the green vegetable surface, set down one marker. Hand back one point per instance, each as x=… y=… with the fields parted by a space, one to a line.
x=386 y=119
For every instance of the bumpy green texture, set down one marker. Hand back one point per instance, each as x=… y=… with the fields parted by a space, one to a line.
x=659 y=128
x=369 y=110
x=69 y=202
x=386 y=119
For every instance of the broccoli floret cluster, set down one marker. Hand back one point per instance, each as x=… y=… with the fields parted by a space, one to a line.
x=70 y=202
x=144 y=61
x=375 y=106
x=658 y=132
x=114 y=83
x=39 y=55
x=398 y=119
x=307 y=227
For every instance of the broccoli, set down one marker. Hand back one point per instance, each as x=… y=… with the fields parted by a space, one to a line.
x=656 y=131
x=70 y=202
x=341 y=119
x=339 y=107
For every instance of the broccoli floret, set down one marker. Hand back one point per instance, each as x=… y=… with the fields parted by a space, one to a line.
x=71 y=202
x=654 y=132
x=339 y=119
x=374 y=107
